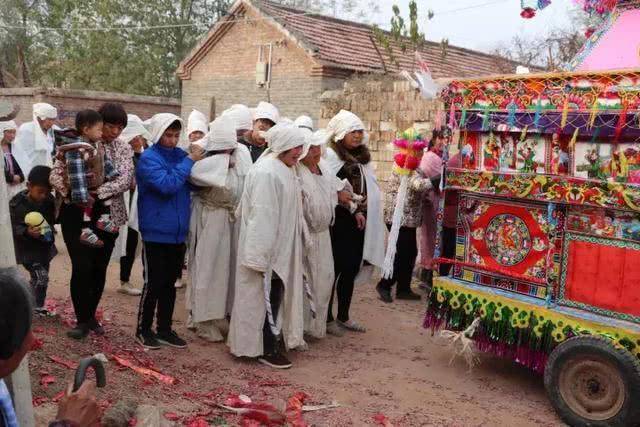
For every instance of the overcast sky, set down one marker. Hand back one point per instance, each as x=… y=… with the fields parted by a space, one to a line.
x=479 y=24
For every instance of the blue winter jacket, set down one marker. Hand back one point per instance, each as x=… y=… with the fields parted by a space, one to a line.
x=164 y=194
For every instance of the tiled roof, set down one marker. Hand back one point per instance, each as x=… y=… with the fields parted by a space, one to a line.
x=353 y=46
x=349 y=47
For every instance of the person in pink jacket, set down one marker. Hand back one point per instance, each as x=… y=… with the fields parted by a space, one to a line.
x=430 y=165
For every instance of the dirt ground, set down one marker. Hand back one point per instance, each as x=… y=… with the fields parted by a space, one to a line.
x=396 y=369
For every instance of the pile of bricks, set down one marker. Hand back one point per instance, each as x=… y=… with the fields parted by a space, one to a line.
x=386 y=107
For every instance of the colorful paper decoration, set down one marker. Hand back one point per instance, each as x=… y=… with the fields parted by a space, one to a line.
x=574 y=139
x=594 y=113
x=565 y=113
x=410 y=147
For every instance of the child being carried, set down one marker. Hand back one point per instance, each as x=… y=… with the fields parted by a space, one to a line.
x=87 y=167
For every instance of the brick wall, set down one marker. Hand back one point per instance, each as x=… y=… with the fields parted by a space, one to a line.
x=69 y=102
x=227 y=73
x=386 y=107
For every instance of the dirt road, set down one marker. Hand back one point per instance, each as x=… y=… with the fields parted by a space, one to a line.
x=396 y=369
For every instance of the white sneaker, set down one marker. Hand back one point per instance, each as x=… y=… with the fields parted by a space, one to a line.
x=128 y=289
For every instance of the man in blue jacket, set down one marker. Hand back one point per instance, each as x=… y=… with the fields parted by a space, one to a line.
x=164 y=202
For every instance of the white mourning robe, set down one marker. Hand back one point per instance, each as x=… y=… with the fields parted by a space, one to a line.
x=271 y=221
x=319 y=199
x=213 y=234
x=32 y=147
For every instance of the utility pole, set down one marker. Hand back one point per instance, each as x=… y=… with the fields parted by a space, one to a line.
x=20 y=381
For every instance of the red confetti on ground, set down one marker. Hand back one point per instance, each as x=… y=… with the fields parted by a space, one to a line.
x=37 y=401
x=66 y=363
x=145 y=371
x=46 y=379
x=171 y=416
x=58 y=396
x=263 y=413
x=37 y=344
x=293 y=412
x=197 y=422
x=133 y=422
x=382 y=420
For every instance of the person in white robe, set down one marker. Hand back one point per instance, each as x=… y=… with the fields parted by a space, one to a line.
x=319 y=199
x=13 y=175
x=267 y=312
x=127 y=244
x=304 y=122
x=358 y=236
x=197 y=125
x=213 y=227
x=265 y=116
x=34 y=143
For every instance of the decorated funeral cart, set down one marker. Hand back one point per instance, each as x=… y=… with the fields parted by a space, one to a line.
x=547 y=249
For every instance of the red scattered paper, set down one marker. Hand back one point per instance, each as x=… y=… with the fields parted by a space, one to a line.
x=45 y=380
x=145 y=371
x=264 y=413
x=58 y=396
x=37 y=401
x=293 y=412
x=382 y=420
x=133 y=422
x=197 y=422
x=66 y=363
x=37 y=344
x=171 y=416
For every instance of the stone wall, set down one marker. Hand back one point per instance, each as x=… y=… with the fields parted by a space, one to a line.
x=69 y=102
x=386 y=107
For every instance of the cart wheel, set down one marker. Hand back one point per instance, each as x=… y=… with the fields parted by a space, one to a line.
x=592 y=383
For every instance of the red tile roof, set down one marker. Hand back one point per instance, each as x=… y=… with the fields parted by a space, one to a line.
x=349 y=47
x=353 y=46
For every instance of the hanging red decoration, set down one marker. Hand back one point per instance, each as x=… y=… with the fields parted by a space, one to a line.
x=589 y=32
x=528 y=13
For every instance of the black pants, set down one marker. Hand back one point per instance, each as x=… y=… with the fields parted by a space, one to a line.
x=39 y=273
x=160 y=262
x=88 y=265
x=270 y=341
x=347 y=243
x=448 y=248
x=404 y=262
x=126 y=262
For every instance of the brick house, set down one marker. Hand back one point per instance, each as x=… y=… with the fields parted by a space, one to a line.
x=265 y=51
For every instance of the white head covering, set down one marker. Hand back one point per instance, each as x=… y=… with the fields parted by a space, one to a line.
x=264 y=110
x=43 y=111
x=222 y=135
x=134 y=128
x=159 y=123
x=305 y=122
x=283 y=137
x=344 y=123
x=317 y=138
x=240 y=115
x=9 y=125
x=197 y=122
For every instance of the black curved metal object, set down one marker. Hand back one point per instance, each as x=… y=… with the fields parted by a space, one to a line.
x=81 y=372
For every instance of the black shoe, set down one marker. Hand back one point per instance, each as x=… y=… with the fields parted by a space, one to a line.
x=148 y=340
x=408 y=295
x=80 y=332
x=385 y=294
x=96 y=327
x=275 y=360
x=171 y=339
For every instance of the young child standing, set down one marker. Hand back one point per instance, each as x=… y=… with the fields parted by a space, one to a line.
x=32 y=210
x=88 y=167
x=164 y=201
